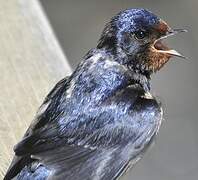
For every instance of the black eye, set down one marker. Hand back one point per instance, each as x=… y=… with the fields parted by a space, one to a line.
x=140 y=34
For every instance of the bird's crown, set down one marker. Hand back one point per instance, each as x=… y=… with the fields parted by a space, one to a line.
x=134 y=19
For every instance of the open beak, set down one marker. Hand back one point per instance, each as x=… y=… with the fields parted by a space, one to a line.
x=162 y=48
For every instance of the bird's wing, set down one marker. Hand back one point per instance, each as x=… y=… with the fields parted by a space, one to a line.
x=81 y=162
x=103 y=154
x=19 y=162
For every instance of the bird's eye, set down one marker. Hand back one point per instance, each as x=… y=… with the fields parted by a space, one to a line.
x=139 y=35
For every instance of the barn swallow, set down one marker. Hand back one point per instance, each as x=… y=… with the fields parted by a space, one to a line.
x=98 y=122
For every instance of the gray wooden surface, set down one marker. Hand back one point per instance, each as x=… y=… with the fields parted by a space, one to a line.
x=31 y=62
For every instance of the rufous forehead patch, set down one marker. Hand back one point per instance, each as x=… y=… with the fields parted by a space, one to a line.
x=162 y=27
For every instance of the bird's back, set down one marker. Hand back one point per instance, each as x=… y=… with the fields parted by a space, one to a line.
x=99 y=142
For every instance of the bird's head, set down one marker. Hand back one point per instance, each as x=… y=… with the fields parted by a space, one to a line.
x=136 y=36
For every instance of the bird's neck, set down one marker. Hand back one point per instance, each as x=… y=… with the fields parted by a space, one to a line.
x=101 y=75
x=137 y=73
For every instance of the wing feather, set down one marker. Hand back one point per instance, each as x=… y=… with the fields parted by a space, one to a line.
x=103 y=153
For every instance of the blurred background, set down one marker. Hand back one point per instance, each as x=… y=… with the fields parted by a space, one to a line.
x=78 y=24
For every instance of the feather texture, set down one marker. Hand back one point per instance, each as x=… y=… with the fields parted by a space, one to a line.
x=82 y=148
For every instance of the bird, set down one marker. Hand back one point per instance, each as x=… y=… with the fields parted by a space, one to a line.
x=98 y=122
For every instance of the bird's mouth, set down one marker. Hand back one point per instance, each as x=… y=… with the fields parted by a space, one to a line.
x=160 y=46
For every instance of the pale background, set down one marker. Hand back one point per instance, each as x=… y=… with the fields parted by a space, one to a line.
x=78 y=25
x=31 y=62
